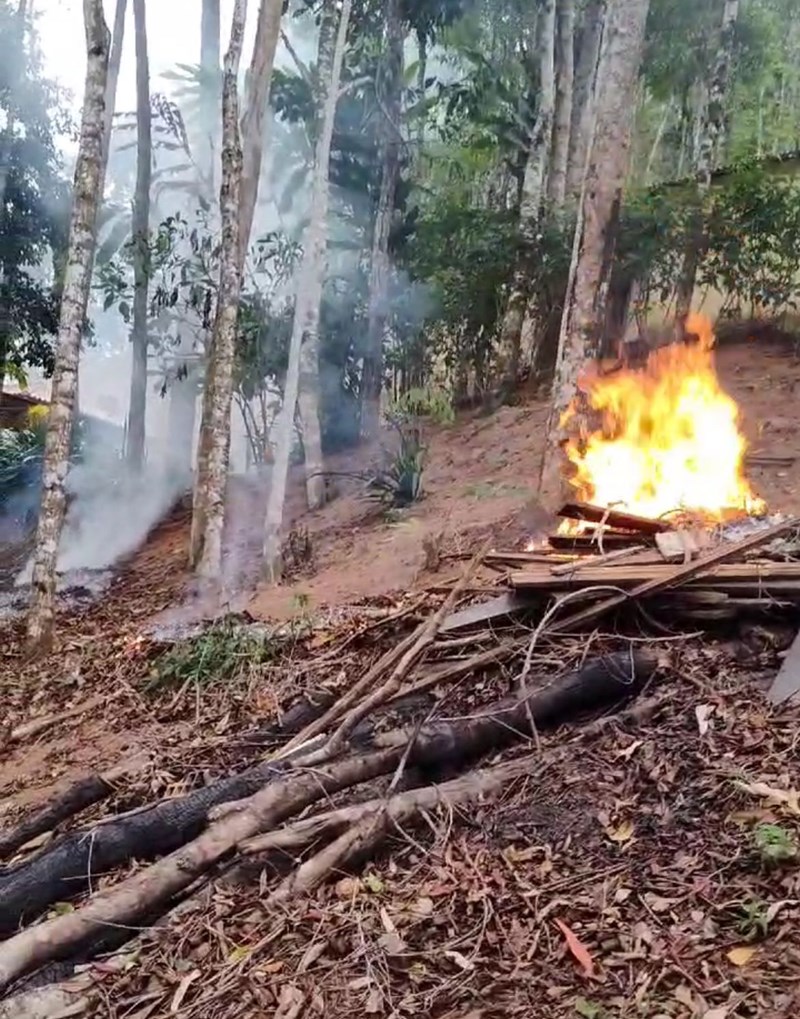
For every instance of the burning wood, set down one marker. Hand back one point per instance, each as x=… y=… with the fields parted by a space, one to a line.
x=668 y=438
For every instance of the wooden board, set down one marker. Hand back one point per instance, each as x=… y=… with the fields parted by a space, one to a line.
x=610 y=541
x=613 y=518
x=786 y=685
x=496 y=608
x=631 y=574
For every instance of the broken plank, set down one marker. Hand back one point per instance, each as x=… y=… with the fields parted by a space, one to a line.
x=613 y=518
x=786 y=685
x=596 y=560
x=496 y=608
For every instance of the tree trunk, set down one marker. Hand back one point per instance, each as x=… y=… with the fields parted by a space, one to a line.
x=329 y=65
x=586 y=64
x=87 y=195
x=565 y=61
x=593 y=250
x=183 y=391
x=114 y=62
x=258 y=81
x=208 y=509
x=372 y=377
x=711 y=132
x=141 y=245
x=533 y=192
x=303 y=355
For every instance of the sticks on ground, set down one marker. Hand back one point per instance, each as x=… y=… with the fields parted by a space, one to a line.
x=600 y=682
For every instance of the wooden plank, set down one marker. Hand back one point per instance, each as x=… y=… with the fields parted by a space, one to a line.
x=631 y=574
x=678 y=575
x=496 y=608
x=786 y=685
x=613 y=518
x=596 y=560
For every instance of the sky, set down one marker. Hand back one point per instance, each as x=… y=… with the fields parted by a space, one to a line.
x=173 y=37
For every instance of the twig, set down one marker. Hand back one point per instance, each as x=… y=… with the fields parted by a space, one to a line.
x=426 y=637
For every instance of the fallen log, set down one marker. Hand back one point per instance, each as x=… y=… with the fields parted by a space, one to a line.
x=80 y=795
x=600 y=682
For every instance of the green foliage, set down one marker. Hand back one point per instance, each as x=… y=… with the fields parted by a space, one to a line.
x=34 y=207
x=775 y=845
x=753 y=919
x=398 y=483
x=417 y=403
x=219 y=655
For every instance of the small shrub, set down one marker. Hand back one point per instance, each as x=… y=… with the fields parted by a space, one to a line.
x=217 y=655
x=399 y=482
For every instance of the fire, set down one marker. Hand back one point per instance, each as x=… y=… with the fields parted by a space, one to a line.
x=669 y=437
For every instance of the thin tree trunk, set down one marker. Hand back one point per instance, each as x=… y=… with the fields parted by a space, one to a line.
x=87 y=195
x=303 y=356
x=184 y=388
x=711 y=132
x=662 y=127
x=258 y=81
x=251 y=129
x=208 y=510
x=114 y=62
x=584 y=309
x=372 y=377
x=329 y=66
x=533 y=192
x=565 y=65
x=141 y=245
x=585 y=78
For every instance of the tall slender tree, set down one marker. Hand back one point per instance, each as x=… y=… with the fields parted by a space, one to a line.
x=711 y=131
x=141 y=244
x=303 y=352
x=565 y=73
x=389 y=86
x=598 y=218
x=87 y=196
x=534 y=185
x=208 y=509
x=588 y=44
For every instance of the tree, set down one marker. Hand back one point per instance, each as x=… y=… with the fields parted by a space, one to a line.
x=208 y=507
x=534 y=185
x=598 y=218
x=565 y=73
x=388 y=86
x=141 y=244
x=32 y=192
x=588 y=45
x=712 y=129
x=87 y=196
x=303 y=350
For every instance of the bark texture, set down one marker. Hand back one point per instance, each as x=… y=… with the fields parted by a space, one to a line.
x=711 y=132
x=208 y=508
x=533 y=192
x=390 y=103
x=87 y=195
x=303 y=370
x=593 y=250
x=565 y=73
x=589 y=43
x=141 y=243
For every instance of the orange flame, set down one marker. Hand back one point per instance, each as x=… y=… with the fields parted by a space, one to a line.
x=668 y=440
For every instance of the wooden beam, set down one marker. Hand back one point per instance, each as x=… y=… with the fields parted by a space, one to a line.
x=617 y=519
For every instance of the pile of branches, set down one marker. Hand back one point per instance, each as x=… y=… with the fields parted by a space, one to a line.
x=374 y=777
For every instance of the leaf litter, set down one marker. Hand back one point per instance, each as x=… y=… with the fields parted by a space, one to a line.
x=624 y=881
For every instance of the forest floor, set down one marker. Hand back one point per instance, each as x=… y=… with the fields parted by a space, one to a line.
x=626 y=881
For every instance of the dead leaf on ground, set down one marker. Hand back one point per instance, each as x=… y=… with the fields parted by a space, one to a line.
x=788 y=798
x=742 y=954
x=577 y=949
